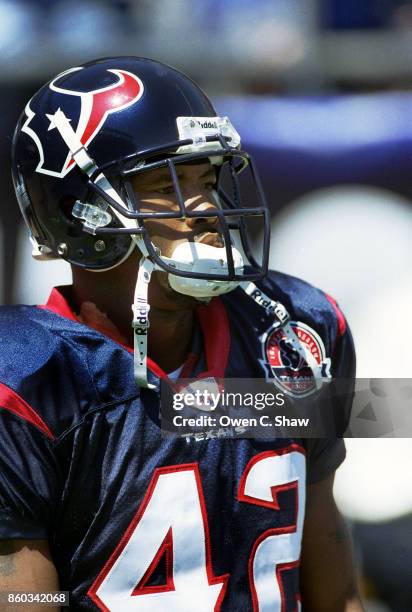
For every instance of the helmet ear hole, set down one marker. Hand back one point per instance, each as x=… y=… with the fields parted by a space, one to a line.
x=66 y=207
x=73 y=226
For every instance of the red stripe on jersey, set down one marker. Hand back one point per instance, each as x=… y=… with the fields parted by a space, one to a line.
x=216 y=336
x=339 y=315
x=11 y=401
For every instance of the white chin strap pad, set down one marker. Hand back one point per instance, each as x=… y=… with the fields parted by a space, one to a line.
x=197 y=257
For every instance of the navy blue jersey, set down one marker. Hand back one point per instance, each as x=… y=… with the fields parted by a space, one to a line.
x=137 y=522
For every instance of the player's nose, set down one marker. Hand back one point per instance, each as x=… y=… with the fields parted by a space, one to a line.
x=201 y=204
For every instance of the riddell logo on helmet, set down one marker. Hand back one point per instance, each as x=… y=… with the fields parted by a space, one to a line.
x=95 y=107
x=208 y=125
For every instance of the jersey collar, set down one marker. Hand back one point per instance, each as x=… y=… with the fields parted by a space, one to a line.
x=213 y=322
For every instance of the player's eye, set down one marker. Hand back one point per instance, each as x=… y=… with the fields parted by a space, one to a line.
x=166 y=190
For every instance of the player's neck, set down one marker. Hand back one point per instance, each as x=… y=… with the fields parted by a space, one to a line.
x=170 y=336
x=170 y=331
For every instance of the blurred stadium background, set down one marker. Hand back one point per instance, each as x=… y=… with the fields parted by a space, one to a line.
x=321 y=91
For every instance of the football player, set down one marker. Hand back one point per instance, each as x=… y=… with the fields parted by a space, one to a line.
x=123 y=168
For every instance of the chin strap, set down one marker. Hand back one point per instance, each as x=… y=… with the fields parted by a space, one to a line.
x=140 y=305
x=283 y=318
x=141 y=322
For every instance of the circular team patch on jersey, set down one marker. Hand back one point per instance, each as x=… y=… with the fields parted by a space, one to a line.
x=286 y=367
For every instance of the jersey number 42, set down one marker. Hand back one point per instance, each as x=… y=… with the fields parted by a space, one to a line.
x=172 y=523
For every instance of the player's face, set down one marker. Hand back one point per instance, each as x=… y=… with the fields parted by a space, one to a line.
x=156 y=193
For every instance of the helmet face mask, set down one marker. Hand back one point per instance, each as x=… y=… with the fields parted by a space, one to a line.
x=229 y=217
x=155 y=117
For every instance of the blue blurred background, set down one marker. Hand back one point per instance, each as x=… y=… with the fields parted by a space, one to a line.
x=321 y=92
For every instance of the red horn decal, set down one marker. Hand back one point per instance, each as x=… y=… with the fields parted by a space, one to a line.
x=98 y=104
x=118 y=96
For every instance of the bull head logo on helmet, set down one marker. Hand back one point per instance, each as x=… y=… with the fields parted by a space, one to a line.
x=92 y=109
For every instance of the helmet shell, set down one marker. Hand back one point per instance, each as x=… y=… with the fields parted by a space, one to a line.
x=119 y=107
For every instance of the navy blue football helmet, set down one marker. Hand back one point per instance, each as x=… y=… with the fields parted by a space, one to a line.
x=83 y=136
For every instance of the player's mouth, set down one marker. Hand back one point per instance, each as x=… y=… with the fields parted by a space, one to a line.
x=210 y=237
